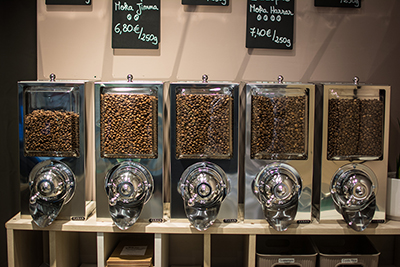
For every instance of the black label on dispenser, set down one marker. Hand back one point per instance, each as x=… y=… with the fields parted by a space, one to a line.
x=69 y=2
x=230 y=220
x=77 y=218
x=156 y=220
x=270 y=24
x=135 y=24
x=206 y=2
x=338 y=3
x=303 y=221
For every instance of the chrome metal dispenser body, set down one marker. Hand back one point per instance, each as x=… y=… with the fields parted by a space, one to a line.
x=354 y=160
x=129 y=151
x=52 y=141
x=204 y=152
x=279 y=136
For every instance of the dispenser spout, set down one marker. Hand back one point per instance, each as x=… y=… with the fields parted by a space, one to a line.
x=129 y=186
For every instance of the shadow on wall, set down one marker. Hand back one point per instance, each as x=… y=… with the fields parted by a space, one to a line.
x=18 y=57
x=385 y=70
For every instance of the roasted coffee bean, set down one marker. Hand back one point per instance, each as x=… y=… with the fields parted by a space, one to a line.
x=355 y=128
x=204 y=126
x=371 y=128
x=343 y=127
x=51 y=133
x=278 y=127
x=128 y=125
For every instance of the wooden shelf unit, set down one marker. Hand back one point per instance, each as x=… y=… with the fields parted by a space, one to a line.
x=176 y=242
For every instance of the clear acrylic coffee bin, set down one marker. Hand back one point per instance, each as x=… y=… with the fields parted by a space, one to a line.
x=279 y=251
x=204 y=121
x=340 y=251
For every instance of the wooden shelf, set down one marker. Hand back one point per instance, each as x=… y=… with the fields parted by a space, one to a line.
x=90 y=242
x=182 y=226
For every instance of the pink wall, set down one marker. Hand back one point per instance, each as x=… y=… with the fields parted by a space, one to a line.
x=330 y=44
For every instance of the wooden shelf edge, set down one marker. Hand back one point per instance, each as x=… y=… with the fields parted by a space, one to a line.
x=182 y=226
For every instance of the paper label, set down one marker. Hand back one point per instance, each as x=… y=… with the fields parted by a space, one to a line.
x=133 y=251
x=351 y=260
x=286 y=260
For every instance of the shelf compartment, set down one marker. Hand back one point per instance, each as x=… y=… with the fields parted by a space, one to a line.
x=228 y=250
x=185 y=250
x=107 y=242
x=72 y=249
x=27 y=248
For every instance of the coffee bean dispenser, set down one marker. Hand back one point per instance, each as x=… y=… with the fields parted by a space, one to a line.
x=52 y=141
x=204 y=152
x=279 y=138
x=354 y=161
x=129 y=151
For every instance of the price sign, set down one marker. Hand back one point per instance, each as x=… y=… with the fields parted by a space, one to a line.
x=69 y=2
x=338 y=3
x=136 y=24
x=206 y=2
x=270 y=24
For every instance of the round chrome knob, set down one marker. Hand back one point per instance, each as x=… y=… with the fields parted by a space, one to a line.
x=126 y=189
x=204 y=190
x=45 y=187
x=281 y=191
x=360 y=191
